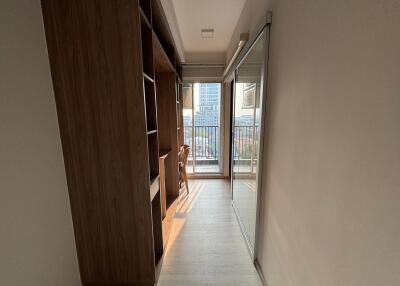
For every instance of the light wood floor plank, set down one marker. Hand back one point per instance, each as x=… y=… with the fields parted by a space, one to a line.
x=206 y=246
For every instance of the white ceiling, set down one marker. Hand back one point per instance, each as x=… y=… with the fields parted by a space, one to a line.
x=190 y=16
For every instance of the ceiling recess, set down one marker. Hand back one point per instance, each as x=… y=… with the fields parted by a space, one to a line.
x=207 y=33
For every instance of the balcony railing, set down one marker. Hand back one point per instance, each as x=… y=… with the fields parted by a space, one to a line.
x=245 y=148
x=207 y=141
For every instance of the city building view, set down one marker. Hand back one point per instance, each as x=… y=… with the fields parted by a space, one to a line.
x=201 y=116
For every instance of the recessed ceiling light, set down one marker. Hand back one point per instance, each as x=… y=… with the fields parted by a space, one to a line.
x=207 y=33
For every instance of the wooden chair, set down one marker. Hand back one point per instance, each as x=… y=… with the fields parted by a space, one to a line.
x=183 y=158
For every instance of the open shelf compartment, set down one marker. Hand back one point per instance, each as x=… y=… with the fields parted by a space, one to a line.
x=157 y=229
x=151 y=106
x=152 y=142
x=145 y=8
x=147 y=48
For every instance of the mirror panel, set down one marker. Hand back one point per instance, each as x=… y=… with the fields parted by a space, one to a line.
x=246 y=137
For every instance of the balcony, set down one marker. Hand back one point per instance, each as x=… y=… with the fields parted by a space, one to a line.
x=204 y=156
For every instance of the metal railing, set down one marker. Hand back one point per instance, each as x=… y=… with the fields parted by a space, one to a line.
x=245 y=142
x=207 y=142
x=245 y=151
x=206 y=139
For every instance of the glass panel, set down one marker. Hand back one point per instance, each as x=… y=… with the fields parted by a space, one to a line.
x=246 y=136
x=206 y=101
x=201 y=116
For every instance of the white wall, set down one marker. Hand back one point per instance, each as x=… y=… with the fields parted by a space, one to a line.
x=202 y=73
x=331 y=212
x=37 y=245
x=252 y=17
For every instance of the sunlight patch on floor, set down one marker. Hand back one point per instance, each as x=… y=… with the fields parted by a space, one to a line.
x=206 y=246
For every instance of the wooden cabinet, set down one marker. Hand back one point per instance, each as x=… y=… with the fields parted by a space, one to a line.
x=111 y=69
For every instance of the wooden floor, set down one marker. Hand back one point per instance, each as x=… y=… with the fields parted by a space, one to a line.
x=206 y=246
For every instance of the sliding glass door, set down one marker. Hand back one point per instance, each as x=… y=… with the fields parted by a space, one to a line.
x=201 y=116
x=246 y=127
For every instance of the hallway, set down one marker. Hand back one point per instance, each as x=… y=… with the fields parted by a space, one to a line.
x=206 y=246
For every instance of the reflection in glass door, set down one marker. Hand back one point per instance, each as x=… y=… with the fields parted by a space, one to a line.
x=246 y=126
x=201 y=117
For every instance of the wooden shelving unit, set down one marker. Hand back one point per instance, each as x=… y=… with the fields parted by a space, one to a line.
x=152 y=131
x=162 y=75
x=162 y=80
x=130 y=112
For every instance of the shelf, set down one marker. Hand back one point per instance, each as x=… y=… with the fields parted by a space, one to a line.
x=154 y=177
x=154 y=186
x=164 y=152
x=148 y=78
x=145 y=9
x=170 y=201
x=158 y=266
x=162 y=62
x=144 y=18
x=151 y=132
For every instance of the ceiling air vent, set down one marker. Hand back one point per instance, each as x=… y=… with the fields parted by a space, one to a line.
x=207 y=33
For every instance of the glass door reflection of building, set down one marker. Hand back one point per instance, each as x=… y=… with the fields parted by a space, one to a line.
x=246 y=128
x=201 y=117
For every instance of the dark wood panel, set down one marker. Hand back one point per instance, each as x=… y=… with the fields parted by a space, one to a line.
x=153 y=155
x=157 y=229
x=162 y=63
x=163 y=194
x=147 y=47
x=94 y=51
x=163 y=32
x=151 y=106
x=167 y=126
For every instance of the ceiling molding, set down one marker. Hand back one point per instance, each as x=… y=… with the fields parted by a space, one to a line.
x=169 y=11
x=208 y=57
x=202 y=72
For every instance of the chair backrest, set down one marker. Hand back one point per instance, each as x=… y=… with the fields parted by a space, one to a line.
x=186 y=151
x=184 y=154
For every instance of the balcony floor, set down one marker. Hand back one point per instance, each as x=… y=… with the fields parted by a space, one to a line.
x=203 y=169
x=215 y=169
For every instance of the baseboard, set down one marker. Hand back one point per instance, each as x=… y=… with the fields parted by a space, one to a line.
x=260 y=273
